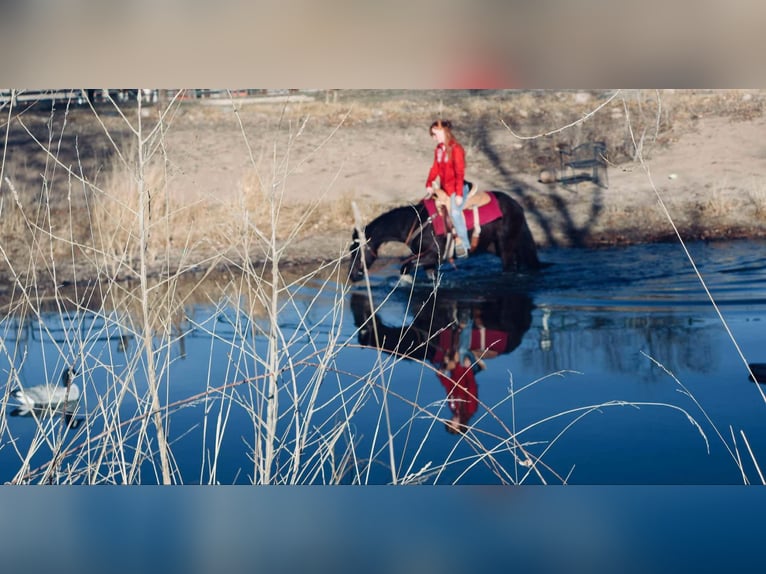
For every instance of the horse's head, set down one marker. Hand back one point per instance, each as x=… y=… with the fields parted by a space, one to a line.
x=364 y=319
x=362 y=257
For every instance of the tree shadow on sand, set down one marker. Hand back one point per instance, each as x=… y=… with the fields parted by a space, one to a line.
x=561 y=223
x=47 y=149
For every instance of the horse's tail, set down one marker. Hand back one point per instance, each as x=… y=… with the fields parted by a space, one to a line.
x=519 y=240
x=528 y=249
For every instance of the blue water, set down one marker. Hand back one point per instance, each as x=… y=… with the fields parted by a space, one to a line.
x=618 y=370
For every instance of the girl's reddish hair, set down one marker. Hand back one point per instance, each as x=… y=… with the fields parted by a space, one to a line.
x=445 y=125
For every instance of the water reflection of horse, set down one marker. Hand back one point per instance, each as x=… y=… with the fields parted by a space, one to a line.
x=507 y=235
x=456 y=336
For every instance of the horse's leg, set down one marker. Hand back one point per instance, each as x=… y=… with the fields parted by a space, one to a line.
x=426 y=261
x=407 y=269
x=428 y=258
x=518 y=249
x=505 y=252
x=508 y=244
x=517 y=246
x=510 y=261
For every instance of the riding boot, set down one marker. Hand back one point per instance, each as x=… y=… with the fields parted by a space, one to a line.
x=458 y=221
x=461 y=250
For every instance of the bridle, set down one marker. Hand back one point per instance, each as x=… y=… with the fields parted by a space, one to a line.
x=372 y=251
x=415 y=231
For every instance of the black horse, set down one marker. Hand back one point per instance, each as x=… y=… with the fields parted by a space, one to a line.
x=508 y=237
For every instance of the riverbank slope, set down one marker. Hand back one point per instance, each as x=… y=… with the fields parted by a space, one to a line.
x=221 y=184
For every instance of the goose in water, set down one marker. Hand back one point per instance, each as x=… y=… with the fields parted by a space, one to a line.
x=49 y=395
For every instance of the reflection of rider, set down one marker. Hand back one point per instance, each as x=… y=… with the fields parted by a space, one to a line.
x=454 y=336
x=462 y=392
x=449 y=167
x=457 y=374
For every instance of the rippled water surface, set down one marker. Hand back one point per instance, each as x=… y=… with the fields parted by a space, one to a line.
x=608 y=367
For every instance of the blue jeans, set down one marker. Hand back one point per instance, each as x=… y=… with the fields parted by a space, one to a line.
x=459 y=221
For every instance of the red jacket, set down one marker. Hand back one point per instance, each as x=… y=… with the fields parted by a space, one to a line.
x=449 y=167
x=462 y=392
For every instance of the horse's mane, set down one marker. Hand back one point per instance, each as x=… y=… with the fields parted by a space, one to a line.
x=396 y=223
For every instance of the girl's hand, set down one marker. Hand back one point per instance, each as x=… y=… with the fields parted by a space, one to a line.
x=458 y=200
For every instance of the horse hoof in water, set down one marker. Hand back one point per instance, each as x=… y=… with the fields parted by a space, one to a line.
x=405 y=279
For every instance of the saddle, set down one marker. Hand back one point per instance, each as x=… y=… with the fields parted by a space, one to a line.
x=480 y=208
x=475 y=198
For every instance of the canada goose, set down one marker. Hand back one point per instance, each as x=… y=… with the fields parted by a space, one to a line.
x=49 y=395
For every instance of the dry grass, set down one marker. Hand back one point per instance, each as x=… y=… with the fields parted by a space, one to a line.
x=658 y=117
x=756 y=195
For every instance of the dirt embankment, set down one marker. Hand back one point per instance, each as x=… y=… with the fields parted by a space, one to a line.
x=217 y=178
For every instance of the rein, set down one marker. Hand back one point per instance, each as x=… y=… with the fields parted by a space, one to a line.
x=413 y=233
x=373 y=251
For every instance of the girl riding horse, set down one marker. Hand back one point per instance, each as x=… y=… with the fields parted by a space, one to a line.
x=449 y=167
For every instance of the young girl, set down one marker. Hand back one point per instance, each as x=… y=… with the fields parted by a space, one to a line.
x=449 y=167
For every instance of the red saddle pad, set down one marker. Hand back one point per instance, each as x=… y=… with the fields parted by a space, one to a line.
x=481 y=340
x=487 y=213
